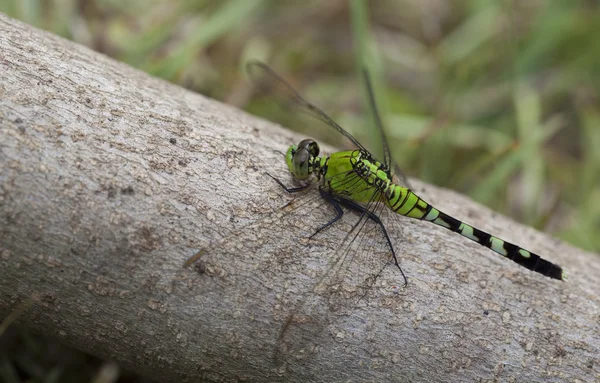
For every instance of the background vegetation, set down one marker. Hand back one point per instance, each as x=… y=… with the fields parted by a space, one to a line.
x=496 y=99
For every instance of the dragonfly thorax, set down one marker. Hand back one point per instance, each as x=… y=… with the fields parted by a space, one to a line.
x=301 y=158
x=372 y=171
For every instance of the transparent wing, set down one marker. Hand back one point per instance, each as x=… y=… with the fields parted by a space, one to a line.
x=351 y=271
x=267 y=79
x=399 y=178
x=387 y=157
x=325 y=275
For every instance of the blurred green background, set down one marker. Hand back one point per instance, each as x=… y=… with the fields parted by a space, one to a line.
x=496 y=99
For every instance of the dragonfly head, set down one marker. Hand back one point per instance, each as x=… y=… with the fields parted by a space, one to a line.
x=300 y=158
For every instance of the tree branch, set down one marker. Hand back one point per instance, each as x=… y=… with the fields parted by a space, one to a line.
x=111 y=179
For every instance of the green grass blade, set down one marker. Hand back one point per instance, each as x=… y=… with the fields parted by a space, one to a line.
x=528 y=114
x=229 y=17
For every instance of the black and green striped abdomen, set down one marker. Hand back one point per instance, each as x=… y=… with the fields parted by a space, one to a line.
x=403 y=201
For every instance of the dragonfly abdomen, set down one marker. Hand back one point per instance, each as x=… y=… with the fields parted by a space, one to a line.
x=403 y=201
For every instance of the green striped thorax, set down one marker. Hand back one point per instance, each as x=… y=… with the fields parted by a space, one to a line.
x=300 y=158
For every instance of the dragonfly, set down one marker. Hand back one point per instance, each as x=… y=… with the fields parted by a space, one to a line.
x=352 y=180
x=358 y=181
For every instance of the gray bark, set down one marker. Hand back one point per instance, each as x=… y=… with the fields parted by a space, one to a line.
x=111 y=179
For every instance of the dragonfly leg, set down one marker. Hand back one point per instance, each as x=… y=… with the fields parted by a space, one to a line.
x=287 y=189
x=338 y=210
x=375 y=218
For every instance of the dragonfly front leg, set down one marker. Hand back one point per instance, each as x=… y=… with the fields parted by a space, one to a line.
x=289 y=190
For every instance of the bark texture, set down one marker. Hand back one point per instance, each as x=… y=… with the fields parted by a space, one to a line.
x=111 y=179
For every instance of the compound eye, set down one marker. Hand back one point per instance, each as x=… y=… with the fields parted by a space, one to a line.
x=313 y=149
x=310 y=146
x=301 y=160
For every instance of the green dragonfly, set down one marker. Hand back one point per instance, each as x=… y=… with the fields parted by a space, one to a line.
x=357 y=181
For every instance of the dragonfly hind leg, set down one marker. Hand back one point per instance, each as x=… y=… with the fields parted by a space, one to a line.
x=375 y=218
